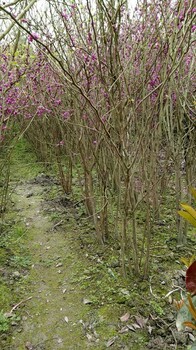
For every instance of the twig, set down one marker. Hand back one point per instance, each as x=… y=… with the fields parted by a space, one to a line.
x=36 y=346
x=181 y=290
x=172 y=291
x=17 y=305
x=175 y=340
x=57 y=224
x=155 y=296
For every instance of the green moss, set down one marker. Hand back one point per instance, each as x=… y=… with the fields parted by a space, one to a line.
x=3 y=256
x=6 y=296
x=110 y=313
x=24 y=164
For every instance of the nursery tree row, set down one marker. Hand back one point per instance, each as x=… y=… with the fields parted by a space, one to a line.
x=107 y=94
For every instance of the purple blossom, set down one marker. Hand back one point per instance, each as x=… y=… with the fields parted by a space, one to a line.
x=64 y=15
x=193 y=28
x=28 y=116
x=60 y=143
x=153 y=82
x=24 y=20
x=93 y=57
x=66 y=115
x=10 y=100
x=42 y=110
x=86 y=58
x=33 y=36
x=89 y=38
x=181 y=16
x=57 y=102
x=4 y=57
x=173 y=96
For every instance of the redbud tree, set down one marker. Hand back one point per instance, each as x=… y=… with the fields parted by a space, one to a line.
x=108 y=94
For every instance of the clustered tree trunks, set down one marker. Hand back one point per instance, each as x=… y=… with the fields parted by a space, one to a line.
x=109 y=97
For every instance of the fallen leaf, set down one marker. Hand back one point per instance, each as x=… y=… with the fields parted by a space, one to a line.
x=59 y=264
x=29 y=346
x=191 y=337
x=182 y=316
x=150 y=329
x=135 y=325
x=66 y=319
x=82 y=322
x=125 y=292
x=59 y=341
x=191 y=278
x=125 y=317
x=125 y=329
x=87 y=301
x=89 y=337
x=129 y=326
x=8 y=314
x=141 y=321
x=110 y=342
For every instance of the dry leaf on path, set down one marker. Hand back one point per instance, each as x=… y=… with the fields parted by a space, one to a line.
x=150 y=329
x=130 y=327
x=87 y=301
x=135 y=325
x=59 y=341
x=141 y=321
x=125 y=329
x=89 y=337
x=29 y=346
x=125 y=317
x=110 y=342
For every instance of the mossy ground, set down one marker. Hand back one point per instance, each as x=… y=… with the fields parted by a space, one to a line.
x=71 y=288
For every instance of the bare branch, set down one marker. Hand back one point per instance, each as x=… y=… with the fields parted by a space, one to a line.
x=27 y=8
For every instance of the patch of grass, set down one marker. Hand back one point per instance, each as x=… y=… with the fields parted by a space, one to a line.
x=20 y=261
x=24 y=164
x=156 y=307
x=3 y=256
x=6 y=296
x=4 y=323
x=12 y=238
x=13 y=256
x=6 y=320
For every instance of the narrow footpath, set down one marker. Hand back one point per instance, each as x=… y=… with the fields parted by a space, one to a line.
x=53 y=310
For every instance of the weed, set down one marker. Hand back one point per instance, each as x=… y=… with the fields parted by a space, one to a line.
x=157 y=308
x=4 y=323
x=20 y=261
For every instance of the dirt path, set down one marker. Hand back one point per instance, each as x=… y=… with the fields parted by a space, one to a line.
x=73 y=297
x=52 y=318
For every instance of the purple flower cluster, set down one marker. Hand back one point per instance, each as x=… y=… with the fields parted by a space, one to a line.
x=32 y=37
